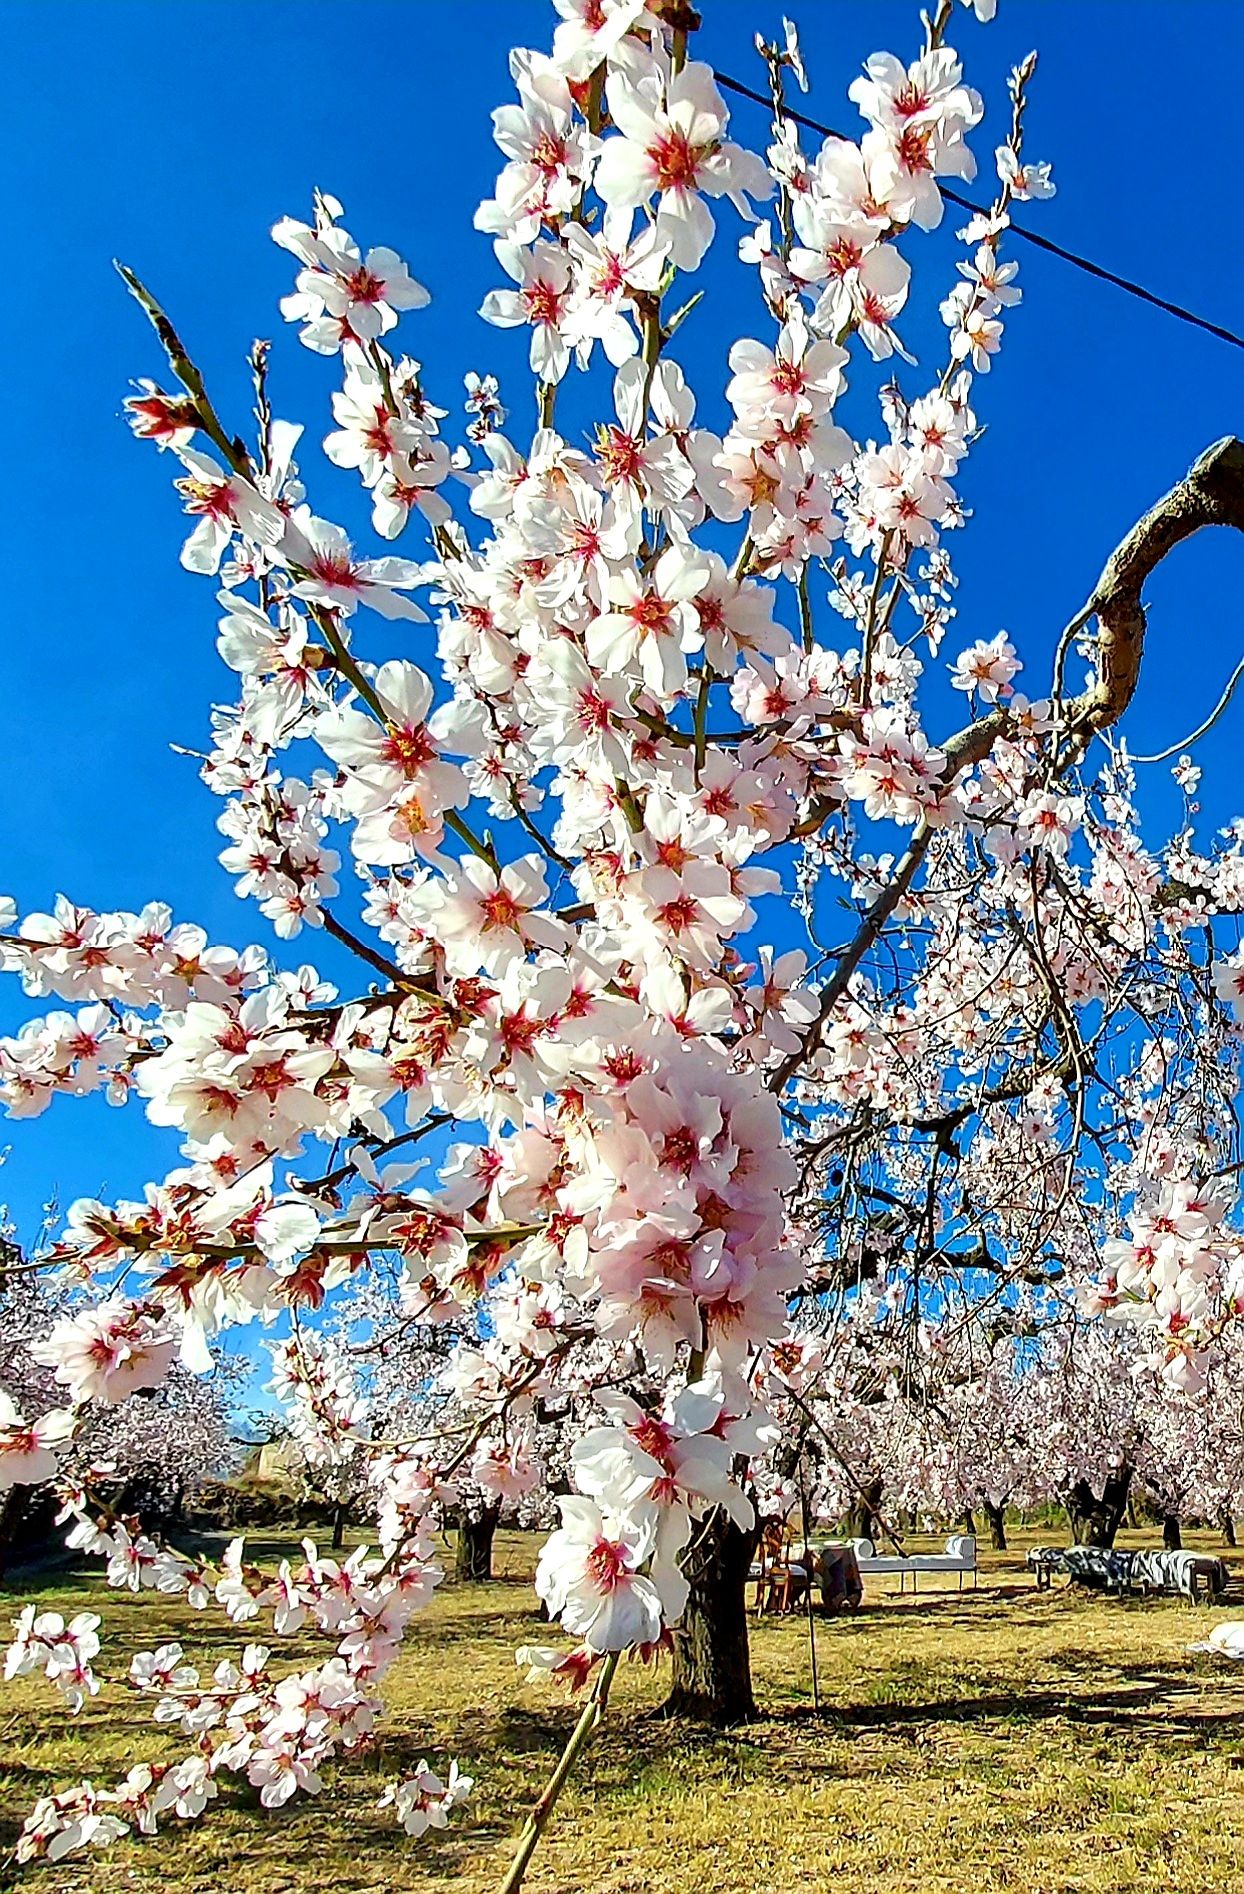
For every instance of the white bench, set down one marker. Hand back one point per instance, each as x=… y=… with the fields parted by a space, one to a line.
x=959 y=1557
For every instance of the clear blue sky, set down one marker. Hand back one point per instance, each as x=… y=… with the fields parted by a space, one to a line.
x=172 y=133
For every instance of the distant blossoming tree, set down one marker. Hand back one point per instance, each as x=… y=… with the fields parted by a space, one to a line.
x=153 y=1450
x=1025 y=1406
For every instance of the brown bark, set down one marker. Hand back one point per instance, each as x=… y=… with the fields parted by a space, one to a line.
x=473 y=1562
x=11 y=1510
x=1095 y=1521
x=1172 y=1538
x=1211 y=493
x=996 y=1515
x=1227 y=1525
x=863 y=1520
x=712 y=1680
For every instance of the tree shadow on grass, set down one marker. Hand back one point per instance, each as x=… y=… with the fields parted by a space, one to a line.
x=1123 y=1708
x=968 y=1605
x=460 y=1627
x=515 y=1749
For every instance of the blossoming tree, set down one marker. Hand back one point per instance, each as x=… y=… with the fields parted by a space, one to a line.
x=735 y=985
x=1031 y=1407
x=152 y=1451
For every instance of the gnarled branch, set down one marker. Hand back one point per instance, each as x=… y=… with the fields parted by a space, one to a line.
x=1210 y=494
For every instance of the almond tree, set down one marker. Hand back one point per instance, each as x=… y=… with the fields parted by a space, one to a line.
x=1063 y=1412
x=152 y=1450
x=670 y=714
x=1100 y=1427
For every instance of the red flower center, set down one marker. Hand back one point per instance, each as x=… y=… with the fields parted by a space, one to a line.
x=364 y=287
x=334 y=568
x=594 y=712
x=680 y=1148
x=672 y=854
x=650 y=613
x=913 y=148
x=543 y=302
x=212 y=499
x=606 y=1564
x=410 y=748
x=619 y=454
x=653 y=1437
x=676 y=161
x=548 y=154
x=679 y=915
x=910 y=101
x=843 y=255
x=500 y=909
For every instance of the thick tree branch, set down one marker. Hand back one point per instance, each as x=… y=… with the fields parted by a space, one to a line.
x=1210 y=494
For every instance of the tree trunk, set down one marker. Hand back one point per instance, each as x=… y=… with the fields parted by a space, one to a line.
x=11 y=1510
x=1172 y=1539
x=473 y=1564
x=339 y=1525
x=712 y=1681
x=996 y=1515
x=1227 y=1525
x=969 y=1522
x=862 y=1519
x=1095 y=1521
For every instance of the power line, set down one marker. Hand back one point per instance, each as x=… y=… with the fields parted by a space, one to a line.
x=1018 y=230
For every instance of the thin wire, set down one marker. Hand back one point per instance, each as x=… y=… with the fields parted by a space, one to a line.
x=1018 y=230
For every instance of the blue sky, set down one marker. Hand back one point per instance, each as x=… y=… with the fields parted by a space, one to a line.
x=172 y=133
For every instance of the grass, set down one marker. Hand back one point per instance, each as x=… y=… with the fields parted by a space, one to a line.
x=990 y=1740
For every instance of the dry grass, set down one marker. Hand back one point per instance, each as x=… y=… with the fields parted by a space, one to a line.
x=996 y=1739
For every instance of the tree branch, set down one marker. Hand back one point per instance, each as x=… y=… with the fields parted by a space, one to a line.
x=581 y=1736
x=1210 y=494
x=876 y=918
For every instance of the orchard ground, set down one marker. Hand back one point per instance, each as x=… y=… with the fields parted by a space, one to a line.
x=989 y=1739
